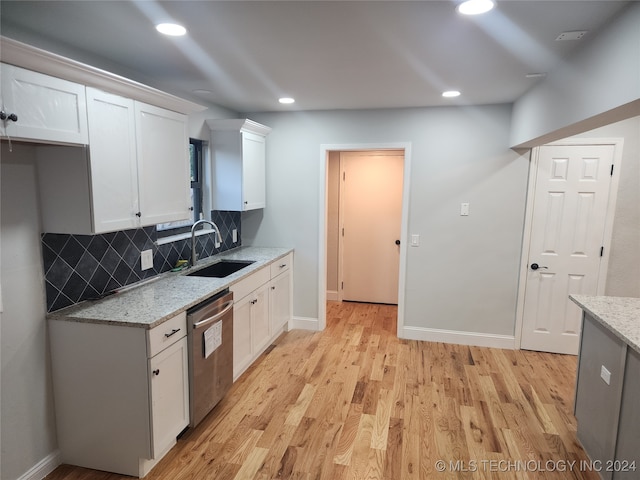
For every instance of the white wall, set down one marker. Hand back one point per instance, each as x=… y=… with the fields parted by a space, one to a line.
x=464 y=274
x=28 y=425
x=589 y=90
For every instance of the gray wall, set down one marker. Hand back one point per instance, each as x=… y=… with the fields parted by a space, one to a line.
x=27 y=417
x=601 y=78
x=464 y=275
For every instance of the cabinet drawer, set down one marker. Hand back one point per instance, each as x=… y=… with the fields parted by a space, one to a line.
x=281 y=265
x=166 y=334
x=247 y=285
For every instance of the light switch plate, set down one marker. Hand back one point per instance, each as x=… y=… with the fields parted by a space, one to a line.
x=234 y=235
x=605 y=375
x=415 y=240
x=146 y=259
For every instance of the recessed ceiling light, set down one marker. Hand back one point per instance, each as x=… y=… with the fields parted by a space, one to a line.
x=475 y=7
x=172 y=29
x=451 y=93
x=286 y=100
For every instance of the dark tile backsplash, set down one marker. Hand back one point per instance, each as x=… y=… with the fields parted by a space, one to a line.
x=82 y=267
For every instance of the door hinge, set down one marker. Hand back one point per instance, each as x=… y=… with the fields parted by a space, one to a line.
x=612 y=170
x=601 y=251
x=342 y=285
x=343 y=231
x=344 y=176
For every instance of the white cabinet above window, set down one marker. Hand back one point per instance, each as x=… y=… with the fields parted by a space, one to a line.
x=239 y=164
x=42 y=108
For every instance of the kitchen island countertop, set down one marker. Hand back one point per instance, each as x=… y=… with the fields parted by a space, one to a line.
x=620 y=315
x=163 y=297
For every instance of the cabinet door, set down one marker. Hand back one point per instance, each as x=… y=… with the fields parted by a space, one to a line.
x=260 y=329
x=253 y=171
x=280 y=301
x=48 y=108
x=242 y=344
x=169 y=377
x=163 y=165
x=597 y=403
x=627 y=466
x=114 y=175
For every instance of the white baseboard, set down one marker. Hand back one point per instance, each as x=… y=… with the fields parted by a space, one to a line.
x=332 y=296
x=43 y=468
x=460 y=338
x=303 y=323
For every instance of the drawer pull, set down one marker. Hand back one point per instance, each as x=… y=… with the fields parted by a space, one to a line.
x=173 y=332
x=156 y=372
x=283 y=265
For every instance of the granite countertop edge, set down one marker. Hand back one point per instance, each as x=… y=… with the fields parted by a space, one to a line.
x=619 y=315
x=155 y=301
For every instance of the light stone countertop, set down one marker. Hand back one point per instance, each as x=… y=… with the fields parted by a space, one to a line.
x=620 y=315
x=168 y=294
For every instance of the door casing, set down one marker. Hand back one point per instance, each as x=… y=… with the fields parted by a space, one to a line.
x=322 y=240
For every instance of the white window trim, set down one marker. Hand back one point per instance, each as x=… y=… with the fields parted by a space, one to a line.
x=182 y=236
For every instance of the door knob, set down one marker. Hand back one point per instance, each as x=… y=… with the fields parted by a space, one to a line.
x=397 y=242
x=535 y=266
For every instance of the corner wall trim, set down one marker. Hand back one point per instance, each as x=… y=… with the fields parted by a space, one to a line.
x=460 y=338
x=304 y=323
x=43 y=468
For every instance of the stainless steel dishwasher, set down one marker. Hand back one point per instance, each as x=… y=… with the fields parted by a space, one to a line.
x=210 y=334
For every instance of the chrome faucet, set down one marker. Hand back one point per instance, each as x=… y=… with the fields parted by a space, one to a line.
x=194 y=255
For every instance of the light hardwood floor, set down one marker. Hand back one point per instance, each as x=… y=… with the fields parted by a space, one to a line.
x=354 y=402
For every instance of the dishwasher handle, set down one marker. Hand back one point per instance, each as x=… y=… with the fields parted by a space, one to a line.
x=227 y=306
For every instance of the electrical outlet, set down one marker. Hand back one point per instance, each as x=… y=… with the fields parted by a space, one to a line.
x=464 y=209
x=234 y=235
x=605 y=375
x=146 y=259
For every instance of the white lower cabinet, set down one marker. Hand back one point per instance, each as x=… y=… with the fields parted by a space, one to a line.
x=242 y=336
x=121 y=393
x=168 y=372
x=280 y=300
x=262 y=310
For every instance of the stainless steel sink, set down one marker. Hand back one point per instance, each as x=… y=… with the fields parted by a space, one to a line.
x=221 y=269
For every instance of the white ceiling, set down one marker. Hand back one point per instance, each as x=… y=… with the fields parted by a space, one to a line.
x=328 y=55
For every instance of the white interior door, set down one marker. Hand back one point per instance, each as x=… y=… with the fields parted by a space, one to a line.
x=371 y=212
x=568 y=224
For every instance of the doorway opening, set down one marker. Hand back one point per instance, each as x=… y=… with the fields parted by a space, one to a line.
x=364 y=225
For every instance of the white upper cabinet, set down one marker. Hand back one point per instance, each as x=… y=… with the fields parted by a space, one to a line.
x=163 y=164
x=114 y=172
x=42 y=108
x=239 y=164
x=135 y=172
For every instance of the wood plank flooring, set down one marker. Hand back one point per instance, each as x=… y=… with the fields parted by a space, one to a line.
x=354 y=402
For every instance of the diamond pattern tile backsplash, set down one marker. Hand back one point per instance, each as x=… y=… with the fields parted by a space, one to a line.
x=83 y=267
